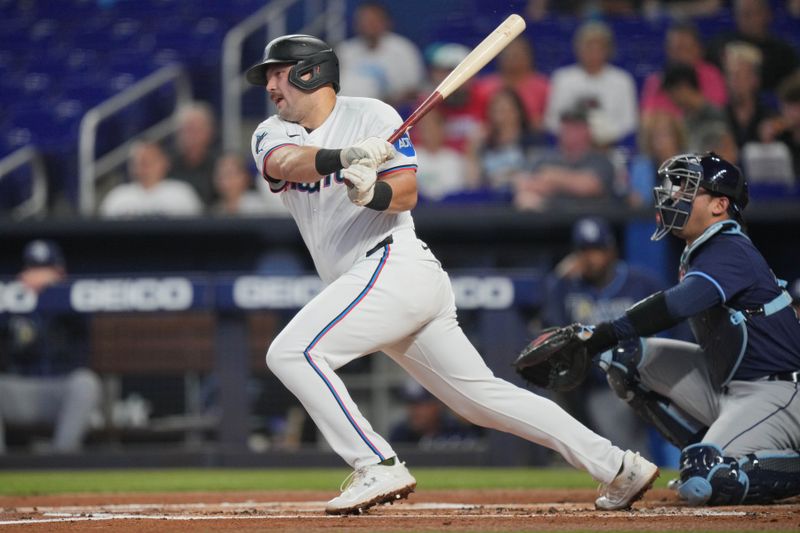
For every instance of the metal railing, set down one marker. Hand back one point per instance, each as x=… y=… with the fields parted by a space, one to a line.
x=326 y=21
x=34 y=206
x=90 y=167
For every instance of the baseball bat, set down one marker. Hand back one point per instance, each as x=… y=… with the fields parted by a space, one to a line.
x=469 y=66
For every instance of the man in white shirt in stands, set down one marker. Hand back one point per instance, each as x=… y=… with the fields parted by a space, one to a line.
x=607 y=91
x=378 y=63
x=150 y=192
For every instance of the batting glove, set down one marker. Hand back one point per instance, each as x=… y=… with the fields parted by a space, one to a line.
x=361 y=179
x=373 y=150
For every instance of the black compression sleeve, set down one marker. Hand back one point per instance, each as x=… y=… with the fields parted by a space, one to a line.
x=603 y=338
x=651 y=315
x=382 y=197
x=327 y=161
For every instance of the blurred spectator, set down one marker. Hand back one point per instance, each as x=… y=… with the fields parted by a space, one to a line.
x=504 y=146
x=378 y=63
x=786 y=127
x=442 y=170
x=753 y=20
x=195 y=151
x=680 y=9
x=680 y=83
x=606 y=90
x=233 y=183
x=589 y=284
x=429 y=424
x=746 y=109
x=461 y=112
x=718 y=137
x=576 y=169
x=516 y=69
x=44 y=381
x=150 y=192
x=661 y=136
x=539 y=9
x=682 y=45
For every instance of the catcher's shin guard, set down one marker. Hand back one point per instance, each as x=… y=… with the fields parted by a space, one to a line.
x=709 y=478
x=772 y=476
x=620 y=366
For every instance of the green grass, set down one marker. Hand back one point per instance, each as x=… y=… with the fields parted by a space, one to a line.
x=22 y=482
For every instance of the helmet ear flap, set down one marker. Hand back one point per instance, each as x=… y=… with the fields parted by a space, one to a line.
x=323 y=67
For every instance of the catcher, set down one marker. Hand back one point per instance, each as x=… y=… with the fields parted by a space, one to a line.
x=730 y=402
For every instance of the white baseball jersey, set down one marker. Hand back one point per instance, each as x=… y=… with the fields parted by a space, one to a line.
x=336 y=231
x=398 y=300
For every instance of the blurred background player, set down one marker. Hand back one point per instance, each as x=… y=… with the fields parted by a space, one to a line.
x=45 y=384
x=592 y=285
x=429 y=424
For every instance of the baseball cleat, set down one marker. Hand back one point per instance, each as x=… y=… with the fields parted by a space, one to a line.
x=674 y=484
x=372 y=485
x=637 y=476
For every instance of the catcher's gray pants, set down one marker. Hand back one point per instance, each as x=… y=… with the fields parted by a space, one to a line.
x=64 y=402
x=745 y=417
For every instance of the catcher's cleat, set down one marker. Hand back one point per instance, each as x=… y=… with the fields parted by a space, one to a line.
x=372 y=485
x=636 y=478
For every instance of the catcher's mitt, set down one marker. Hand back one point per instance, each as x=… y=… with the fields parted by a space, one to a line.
x=557 y=359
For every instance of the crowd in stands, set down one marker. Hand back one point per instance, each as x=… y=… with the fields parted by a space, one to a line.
x=587 y=131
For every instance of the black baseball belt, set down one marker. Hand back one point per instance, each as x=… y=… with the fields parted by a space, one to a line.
x=384 y=242
x=793 y=377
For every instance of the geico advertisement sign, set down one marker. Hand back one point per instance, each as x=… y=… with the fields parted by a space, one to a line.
x=16 y=298
x=139 y=294
x=490 y=292
x=254 y=292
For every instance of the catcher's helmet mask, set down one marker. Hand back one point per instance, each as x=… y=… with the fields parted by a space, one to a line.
x=682 y=177
x=308 y=54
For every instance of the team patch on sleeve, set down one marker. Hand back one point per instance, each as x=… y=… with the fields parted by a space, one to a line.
x=404 y=146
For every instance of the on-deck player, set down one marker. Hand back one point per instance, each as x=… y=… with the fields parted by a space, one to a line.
x=385 y=290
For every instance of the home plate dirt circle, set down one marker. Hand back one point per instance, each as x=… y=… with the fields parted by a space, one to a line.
x=426 y=511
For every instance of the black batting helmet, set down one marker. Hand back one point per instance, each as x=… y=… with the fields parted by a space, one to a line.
x=307 y=53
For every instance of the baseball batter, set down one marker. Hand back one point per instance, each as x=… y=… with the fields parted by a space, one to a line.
x=350 y=193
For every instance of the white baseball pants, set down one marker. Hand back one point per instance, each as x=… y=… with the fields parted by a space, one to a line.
x=399 y=300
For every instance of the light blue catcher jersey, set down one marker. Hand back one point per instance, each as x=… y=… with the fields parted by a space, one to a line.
x=336 y=231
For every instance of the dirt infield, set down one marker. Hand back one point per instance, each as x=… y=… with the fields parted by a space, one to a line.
x=462 y=510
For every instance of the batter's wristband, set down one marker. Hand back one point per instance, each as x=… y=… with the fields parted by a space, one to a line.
x=382 y=196
x=603 y=338
x=328 y=161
